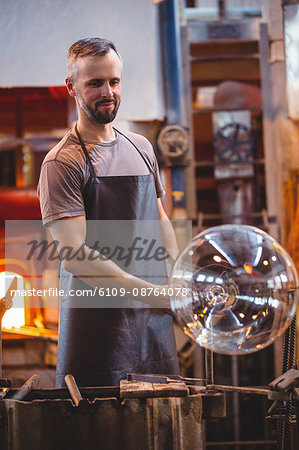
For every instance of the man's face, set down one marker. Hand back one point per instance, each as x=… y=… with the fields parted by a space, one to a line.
x=98 y=86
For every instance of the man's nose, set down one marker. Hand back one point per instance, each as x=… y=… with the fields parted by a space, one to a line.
x=106 y=91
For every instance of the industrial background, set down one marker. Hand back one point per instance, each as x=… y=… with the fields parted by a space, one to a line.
x=214 y=86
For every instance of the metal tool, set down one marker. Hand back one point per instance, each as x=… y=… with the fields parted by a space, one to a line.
x=27 y=387
x=164 y=379
x=240 y=389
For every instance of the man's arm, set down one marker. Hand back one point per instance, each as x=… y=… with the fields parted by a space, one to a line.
x=168 y=234
x=96 y=271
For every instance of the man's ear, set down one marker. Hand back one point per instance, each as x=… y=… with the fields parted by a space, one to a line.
x=70 y=86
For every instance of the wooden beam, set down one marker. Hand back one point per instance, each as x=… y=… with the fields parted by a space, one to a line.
x=224 y=48
x=245 y=69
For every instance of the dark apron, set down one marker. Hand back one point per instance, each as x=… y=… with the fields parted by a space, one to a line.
x=99 y=346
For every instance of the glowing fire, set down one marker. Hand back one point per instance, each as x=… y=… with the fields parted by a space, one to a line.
x=14 y=317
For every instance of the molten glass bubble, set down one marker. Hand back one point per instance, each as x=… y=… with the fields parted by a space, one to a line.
x=235 y=289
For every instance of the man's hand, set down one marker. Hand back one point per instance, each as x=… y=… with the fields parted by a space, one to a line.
x=98 y=271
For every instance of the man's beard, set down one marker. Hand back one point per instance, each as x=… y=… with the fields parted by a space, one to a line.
x=97 y=116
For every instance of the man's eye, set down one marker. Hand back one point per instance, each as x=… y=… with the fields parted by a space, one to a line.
x=93 y=83
x=114 y=83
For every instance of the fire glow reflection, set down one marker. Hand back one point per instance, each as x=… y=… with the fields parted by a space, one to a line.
x=14 y=317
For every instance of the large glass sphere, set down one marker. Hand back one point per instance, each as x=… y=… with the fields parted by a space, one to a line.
x=235 y=289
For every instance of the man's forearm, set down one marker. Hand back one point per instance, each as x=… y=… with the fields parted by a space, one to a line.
x=98 y=271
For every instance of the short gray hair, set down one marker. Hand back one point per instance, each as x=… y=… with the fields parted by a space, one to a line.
x=87 y=47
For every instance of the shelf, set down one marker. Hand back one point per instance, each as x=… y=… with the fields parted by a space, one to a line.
x=211 y=110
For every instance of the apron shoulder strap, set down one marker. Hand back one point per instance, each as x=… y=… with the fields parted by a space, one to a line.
x=142 y=156
x=91 y=169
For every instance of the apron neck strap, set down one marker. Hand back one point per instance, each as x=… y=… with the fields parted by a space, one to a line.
x=91 y=169
x=144 y=159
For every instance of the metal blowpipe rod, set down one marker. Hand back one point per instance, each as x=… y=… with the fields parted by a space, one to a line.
x=27 y=387
x=209 y=365
x=240 y=389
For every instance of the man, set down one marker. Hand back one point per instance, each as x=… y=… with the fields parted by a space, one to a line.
x=97 y=174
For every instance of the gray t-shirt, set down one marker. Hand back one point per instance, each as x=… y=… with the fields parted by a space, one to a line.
x=65 y=172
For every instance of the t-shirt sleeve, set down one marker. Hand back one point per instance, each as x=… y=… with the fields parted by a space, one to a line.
x=158 y=183
x=59 y=191
x=150 y=154
x=147 y=150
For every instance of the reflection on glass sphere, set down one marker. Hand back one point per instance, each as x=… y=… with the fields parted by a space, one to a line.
x=241 y=289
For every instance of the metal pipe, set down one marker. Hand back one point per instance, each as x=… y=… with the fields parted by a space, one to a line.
x=209 y=365
x=171 y=59
x=235 y=395
x=170 y=35
x=240 y=389
x=27 y=387
x=221 y=9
